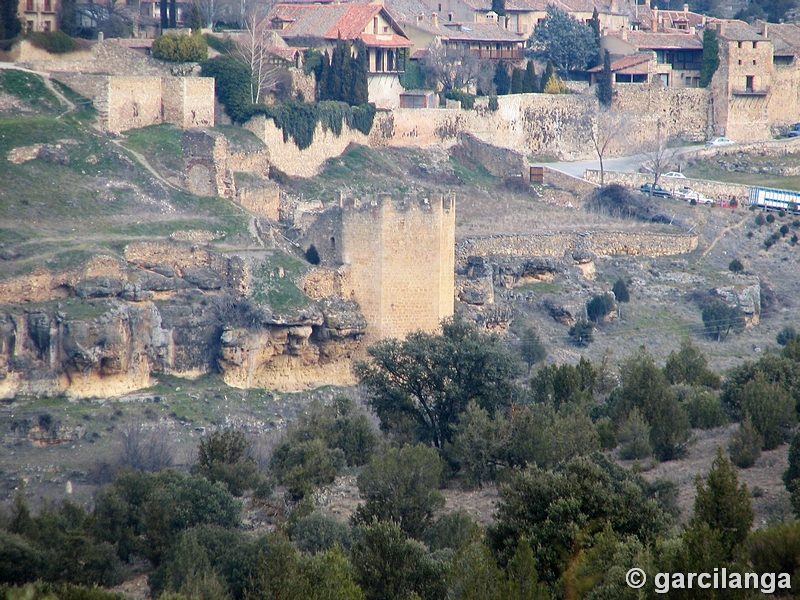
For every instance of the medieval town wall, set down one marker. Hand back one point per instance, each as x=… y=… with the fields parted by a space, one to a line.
x=188 y=101
x=566 y=244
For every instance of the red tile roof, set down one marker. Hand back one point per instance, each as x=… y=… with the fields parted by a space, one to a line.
x=394 y=41
x=626 y=62
x=664 y=41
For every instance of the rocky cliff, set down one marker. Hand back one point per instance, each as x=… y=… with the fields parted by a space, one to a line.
x=101 y=329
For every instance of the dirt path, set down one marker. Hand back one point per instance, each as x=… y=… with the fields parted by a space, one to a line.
x=722 y=232
x=48 y=83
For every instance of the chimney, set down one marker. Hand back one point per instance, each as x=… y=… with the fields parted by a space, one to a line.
x=721 y=29
x=614 y=6
x=623 y=33
x=685 y=9
x=435 y=19
x=654 y=19
x=764 y=33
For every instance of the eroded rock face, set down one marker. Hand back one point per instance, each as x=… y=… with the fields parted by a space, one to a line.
x=101 y=333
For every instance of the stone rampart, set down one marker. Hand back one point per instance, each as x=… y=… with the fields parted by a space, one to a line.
x=262 y=200
x=175 y=256
x=133 y=102
x=500 y=162
x=680 y=112
x=188 y=101
x=716 y=190
x=105 y=58
x=567 y=244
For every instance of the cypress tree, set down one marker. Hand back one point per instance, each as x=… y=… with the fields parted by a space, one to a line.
x=530 y=83
x=516 y=81
x=323 y=77
x=605 y=82
x=335 y=75
x=10 y=24
x=164 y=15
x=346 y=77
x=547 y=75
x=594 y=23
x=173 y=13
x=359 y=68
x=710 y=56
x=502 y=82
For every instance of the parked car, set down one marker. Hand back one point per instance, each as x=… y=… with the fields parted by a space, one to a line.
x=674 y=175
x=687 y=194
x=720 y=141
x=657 y=190
x=794 y=131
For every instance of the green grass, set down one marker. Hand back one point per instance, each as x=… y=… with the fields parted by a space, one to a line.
x=472 y=175
x=160 y=144
x=280 y=293
x=30 y=89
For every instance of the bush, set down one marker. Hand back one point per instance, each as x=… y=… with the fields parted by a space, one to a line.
x=232 y=83
x=180 y=48
x=451 y=531
x=221 y=45
x=318 y=532
x=55 y=42
x=745 y=445
x=606 y=433
x=467 y=100
x=786 y=335
x=494 y=105
x=580 y=333
x=620 y=290
x=619 y=201
x=223 y=456
x=634 y=437
x=401 y=486
x=299 y=120
x=704 y=409
x=776 y=549
x=304 y=466
x=720 y=319
x=770 y=218
x=413 y=78
x=771 y=408
x=735 y=266
x=760 y=219
x=598 y=307
x=531 y=348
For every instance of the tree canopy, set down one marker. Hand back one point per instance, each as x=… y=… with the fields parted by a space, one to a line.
x=420 y=386
x=562 y=39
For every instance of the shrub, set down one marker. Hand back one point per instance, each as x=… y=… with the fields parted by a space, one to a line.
x=180 y=48
x=531 y=348
x=221 y=45
x=760 y=219
x=620 y=290
x=232 y=83
x=619 y=201
x=467 y=100
x=784 y=230
x=494 y=105
x=745 y=445
x=318 y=532
x=735 y=266
x=606 y=433
x=720 y=319
x=770 y=218
x=776 y=549
x=223 y=456
x=451 y=530
x=634 y=437
x=771 y=408
x=301 y=467
x=299 y=120
x=598 y=307
x=580 y=333
x=786 y=335
x=704 y=409
x=55 y=42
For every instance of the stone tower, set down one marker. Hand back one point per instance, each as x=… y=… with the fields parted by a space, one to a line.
x=401 y=258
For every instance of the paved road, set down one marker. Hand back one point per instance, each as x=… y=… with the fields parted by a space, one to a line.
x=622 y=164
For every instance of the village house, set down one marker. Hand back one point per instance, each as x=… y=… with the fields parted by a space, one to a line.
x=39 y=15
x=321 y=25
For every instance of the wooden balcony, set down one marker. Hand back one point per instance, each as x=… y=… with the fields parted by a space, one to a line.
x=750 y=92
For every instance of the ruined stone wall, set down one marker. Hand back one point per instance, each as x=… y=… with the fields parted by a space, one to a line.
x=176 y=256
x=561 y=244
x=287 y=157
x=303 y=85
x=715 y=190
x=188 y=101
x=262 y=200
x=105 y=58
x=324 y=232
x=133 y=102
x=27 y=52
x=500 y=162
x=400 y=285
x=681 y=112
x=205 y=155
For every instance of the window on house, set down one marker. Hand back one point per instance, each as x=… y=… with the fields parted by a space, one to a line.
x=390 y=60
x=755 y=45
x=29 y=26
x=740 y=44
x=378 y=60
x=749 y=83
x=440 y=8
x=333 y=243
x=740 y=61
x=46 y=26
x=754 y=62
x=450 y=16
x=375 y=25
x=29 y=6
x=48 y=6
x=385 y=29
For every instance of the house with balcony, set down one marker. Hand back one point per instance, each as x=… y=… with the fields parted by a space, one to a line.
x=39 y=15
x=679 y=55
x=636 y=68
x=321 y=25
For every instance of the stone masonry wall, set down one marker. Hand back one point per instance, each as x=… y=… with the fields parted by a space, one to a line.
x=188 y=101
x=401 y=286
x=561 y=244
x=105 y=58
x=580 y=187
x=500 y=162
x=713 y=189
x=133 y=102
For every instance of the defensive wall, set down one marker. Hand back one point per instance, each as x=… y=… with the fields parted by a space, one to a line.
x=599 y=243
x=558 y=179
x=716 y=190
x=532 y=125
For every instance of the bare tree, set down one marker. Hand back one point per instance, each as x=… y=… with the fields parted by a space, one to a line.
x=453 y=67
x=659 y=155
x=608 y=127
x=141 y=450
x=252 y=46
x=210 y=10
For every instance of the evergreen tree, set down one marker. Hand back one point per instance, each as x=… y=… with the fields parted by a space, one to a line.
x=334 y=91
x=620 y=290
x=791 y=477
x=173 y=13
x=324 y=77
x=710 y=56
x=359 y=67
x=502 y=82
x=547 y=75
x=594 y=23
x=164 y=15
x=530 y=83
x=606 y=82
x=723 y=505
x=10 y=24
x=499 y=6
x=516 y=81
x=346 y=91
